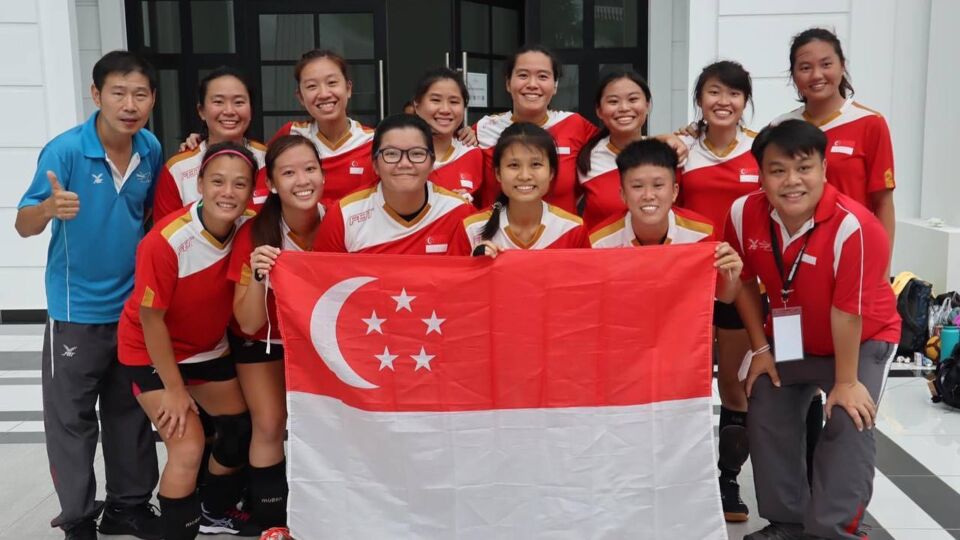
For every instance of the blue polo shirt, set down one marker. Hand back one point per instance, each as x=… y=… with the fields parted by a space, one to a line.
x=90 y=261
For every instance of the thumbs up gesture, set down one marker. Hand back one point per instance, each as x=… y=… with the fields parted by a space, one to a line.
x=61 y=204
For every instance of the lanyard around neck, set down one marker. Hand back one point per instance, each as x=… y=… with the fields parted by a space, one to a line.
x=787 y=280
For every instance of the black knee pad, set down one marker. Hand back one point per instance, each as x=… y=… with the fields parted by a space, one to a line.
x=231 y=448
x=734 y=447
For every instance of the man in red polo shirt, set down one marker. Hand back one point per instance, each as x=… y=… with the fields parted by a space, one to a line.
x=833 y=325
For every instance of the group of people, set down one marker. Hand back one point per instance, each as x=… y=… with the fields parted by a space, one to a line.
x=177 y=326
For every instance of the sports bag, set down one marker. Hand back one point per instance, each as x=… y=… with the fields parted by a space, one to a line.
x=913 y=305
x=947 y=379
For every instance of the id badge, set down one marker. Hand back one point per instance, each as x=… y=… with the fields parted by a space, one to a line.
x=787 y=334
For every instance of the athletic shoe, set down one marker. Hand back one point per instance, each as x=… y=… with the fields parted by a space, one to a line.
x=141 y=521
x=233 y=521
x=276 y=533
x=734 y=509
x=779 y=531
x=85 y=530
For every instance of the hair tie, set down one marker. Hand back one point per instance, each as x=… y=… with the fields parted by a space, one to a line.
x=207 y=159
x=497 y=206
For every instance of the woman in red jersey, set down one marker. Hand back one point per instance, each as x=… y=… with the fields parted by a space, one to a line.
x=859 y=149
x=224 y=106
x=525 y=160
x=440 y=99
x=404 y=212
x=288 y=221
x=173 y=347
x=532 y=76
x=720 y=169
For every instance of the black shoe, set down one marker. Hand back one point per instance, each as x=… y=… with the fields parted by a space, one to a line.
x=734 y=509
x=233 y=521
x=779 y=531
x=141 y=521
x=85 y=530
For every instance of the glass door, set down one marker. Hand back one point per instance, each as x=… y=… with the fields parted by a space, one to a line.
x=279 y=32
x=590 y=37
x=486 y=33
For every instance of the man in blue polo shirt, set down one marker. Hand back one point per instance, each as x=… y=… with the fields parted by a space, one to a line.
x=95 y=183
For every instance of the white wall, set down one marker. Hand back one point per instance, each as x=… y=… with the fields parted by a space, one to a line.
x=38 y=99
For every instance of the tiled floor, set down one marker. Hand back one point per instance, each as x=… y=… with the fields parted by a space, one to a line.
x=916 y=490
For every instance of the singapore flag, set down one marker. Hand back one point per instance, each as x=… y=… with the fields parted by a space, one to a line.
x=549 y=394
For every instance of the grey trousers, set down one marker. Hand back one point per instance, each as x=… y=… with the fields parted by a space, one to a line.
x=79 y=366
x=843 y=463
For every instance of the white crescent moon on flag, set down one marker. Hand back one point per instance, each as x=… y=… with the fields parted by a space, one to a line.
x=323 y=330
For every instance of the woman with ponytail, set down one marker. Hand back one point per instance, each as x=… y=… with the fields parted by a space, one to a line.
x=288 y=220
x=525 y=162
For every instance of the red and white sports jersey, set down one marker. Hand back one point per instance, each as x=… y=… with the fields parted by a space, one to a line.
x=346 y=163
x=843 y=265
x=859 y=150
x=460 y=169
x=177 y=183
x=712 y=179
x=239 y=272
x=559 y=229
x=601 y=185
x=569 y=130
x=685 y=227
x=363 y=223
x=181 y=268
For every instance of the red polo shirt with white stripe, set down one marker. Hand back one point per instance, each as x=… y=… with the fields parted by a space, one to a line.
x=363 y=223
x=346 y=163
x=843 y=265
x=558 y=229
x=859 y=150
x=182 y=269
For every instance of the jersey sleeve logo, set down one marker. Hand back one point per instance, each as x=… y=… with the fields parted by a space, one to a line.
x=843 y=147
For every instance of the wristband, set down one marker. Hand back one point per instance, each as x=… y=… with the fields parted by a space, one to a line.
x=761 y=350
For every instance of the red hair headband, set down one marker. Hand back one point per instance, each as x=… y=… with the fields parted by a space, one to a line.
x=223 y=152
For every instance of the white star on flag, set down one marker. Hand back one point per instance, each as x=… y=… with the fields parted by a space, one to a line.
x=374 y=323
x=403 y=301
x=423 y=359
x=386 y=359
x=433 y=323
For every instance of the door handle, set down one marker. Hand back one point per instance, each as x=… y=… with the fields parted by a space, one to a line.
x=380 y=83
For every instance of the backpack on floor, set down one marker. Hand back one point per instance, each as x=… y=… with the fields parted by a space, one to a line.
x=947 y=378
x=913 y=305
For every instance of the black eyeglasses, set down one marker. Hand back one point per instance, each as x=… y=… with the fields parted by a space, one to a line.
x=417 y=154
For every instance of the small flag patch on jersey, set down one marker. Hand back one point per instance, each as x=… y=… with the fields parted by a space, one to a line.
x=563 y=150
x=750 y=175
x=843 y=147
x=356 y=170
x=808 y=258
